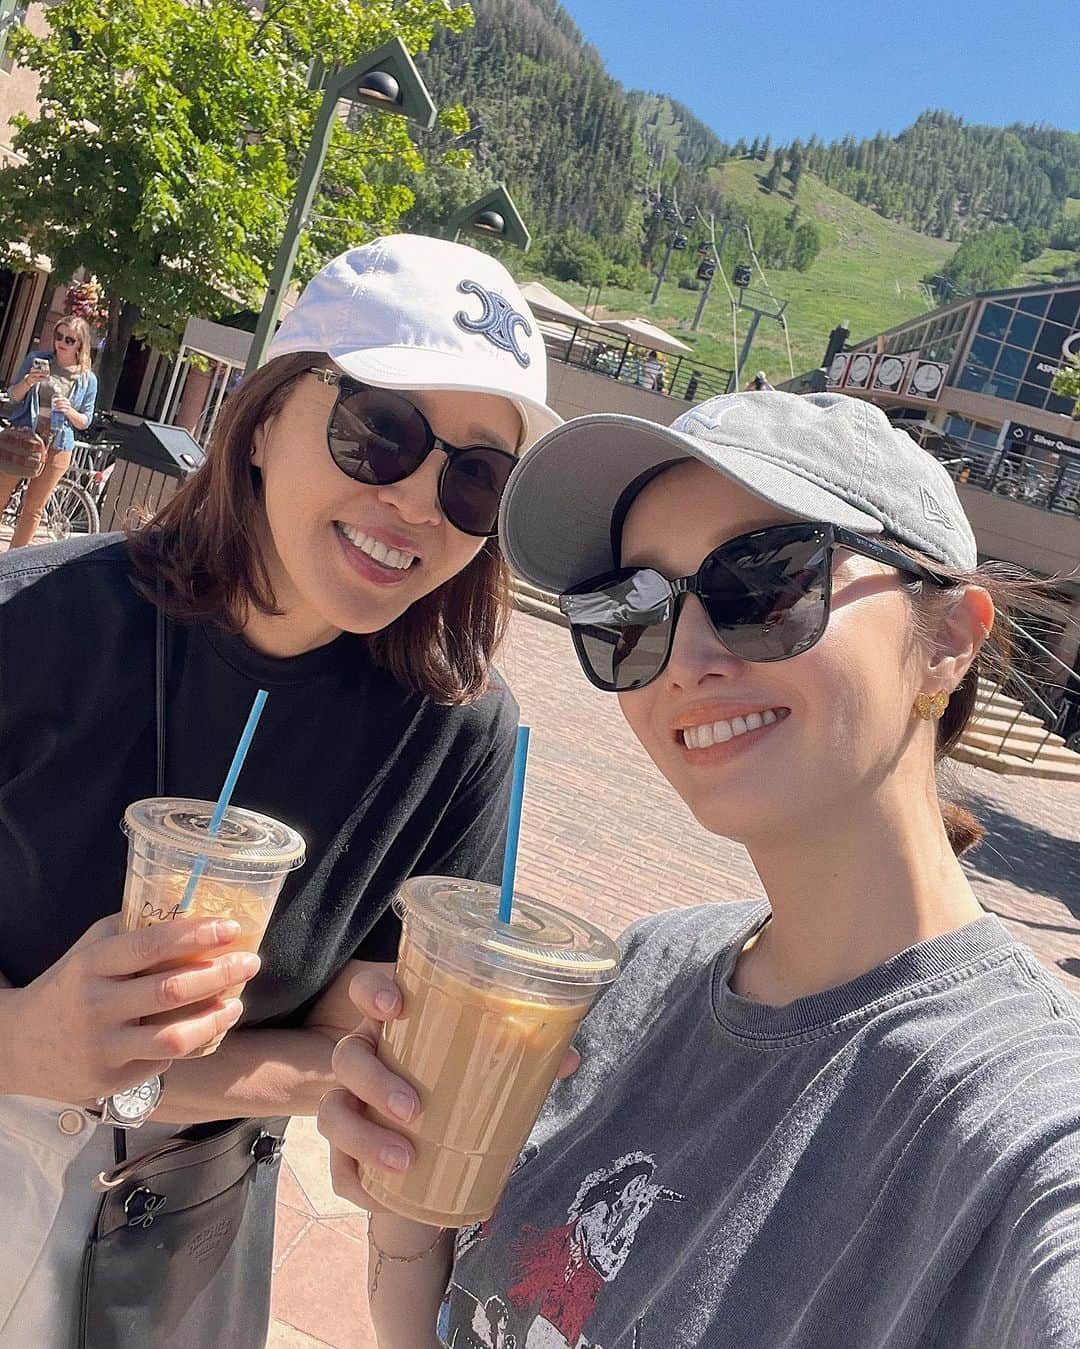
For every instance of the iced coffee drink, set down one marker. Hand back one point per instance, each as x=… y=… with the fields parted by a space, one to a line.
x=489 y=1010
x=240 y=870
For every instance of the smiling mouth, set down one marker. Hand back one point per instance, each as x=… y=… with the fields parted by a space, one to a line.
x=393 y=559
x=717 y=732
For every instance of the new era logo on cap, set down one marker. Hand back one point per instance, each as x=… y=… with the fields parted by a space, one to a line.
x=933 y=512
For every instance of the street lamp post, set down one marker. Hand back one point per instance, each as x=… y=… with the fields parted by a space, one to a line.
x=385 y=80
x=494 y=216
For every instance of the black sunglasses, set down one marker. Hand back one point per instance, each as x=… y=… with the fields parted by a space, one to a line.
x=379 y=437
x=768 y=596
x=67 y=340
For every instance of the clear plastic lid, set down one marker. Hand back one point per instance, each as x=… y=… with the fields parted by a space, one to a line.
x=540 y=940
x=245 y=839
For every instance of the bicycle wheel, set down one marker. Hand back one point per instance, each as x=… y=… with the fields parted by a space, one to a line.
x=70 y=510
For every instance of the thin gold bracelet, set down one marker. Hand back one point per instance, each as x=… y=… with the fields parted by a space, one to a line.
x=382 y=1255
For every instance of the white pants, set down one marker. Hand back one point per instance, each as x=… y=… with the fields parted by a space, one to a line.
x=49 y=1154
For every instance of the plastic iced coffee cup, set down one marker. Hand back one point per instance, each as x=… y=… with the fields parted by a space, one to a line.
x=489 y=1010
x=244 y=867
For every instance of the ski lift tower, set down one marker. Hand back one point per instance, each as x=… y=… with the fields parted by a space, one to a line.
x=767 y=307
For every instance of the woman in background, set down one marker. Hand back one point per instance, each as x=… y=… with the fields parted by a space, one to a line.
x=55 y=391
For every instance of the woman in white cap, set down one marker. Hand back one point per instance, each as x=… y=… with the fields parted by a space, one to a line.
x=849 y=1116
x=338 y=550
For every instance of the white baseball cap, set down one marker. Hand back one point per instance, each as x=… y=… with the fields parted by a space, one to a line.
x=410 y=312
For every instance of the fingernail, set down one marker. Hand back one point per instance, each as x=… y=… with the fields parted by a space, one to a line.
x=247 y=966
x=224 y=929
x=233 y=1010
x=386 y=1001
x=402 y=1105
x=397 y=1159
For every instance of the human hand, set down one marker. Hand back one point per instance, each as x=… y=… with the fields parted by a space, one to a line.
x=37 y=375
x=356 y=1143
x=80 y=1034
x=63 y=405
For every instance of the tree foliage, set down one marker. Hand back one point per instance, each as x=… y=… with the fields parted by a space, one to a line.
x=987 y=260
x=1067 y=382
x=169 y=139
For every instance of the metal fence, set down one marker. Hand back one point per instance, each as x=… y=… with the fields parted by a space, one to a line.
x=1049 y=482
x=607 y=353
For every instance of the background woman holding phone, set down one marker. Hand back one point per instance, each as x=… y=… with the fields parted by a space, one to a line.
x=55 y=391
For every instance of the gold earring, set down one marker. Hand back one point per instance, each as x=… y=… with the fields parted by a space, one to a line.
x=931 y=706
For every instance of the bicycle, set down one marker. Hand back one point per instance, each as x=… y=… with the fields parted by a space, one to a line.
x=70 y=510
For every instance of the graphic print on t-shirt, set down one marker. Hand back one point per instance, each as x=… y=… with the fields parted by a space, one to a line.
x=558 y=1273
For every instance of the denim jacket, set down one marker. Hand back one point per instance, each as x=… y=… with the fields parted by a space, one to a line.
x=83 y=398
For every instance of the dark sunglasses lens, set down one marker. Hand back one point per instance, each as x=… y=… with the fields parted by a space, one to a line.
x=622 y=629
x=767 y=596
x=472 y=487
x=375 y=437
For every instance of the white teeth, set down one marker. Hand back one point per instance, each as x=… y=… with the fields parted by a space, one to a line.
x=715 y=733
x=389 y=557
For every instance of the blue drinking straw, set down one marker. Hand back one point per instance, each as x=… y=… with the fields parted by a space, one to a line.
x=226 y=793
x=513 y=824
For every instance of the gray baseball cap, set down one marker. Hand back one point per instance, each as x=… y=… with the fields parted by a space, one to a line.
x=827 y=457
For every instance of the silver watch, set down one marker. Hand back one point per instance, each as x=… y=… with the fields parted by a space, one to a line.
x=132 y=1108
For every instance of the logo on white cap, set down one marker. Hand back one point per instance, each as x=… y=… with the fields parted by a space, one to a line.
x=498 y=323
x=934 y=512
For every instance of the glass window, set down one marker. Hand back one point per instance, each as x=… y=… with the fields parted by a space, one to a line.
x=1012 y=362
x=1035 y=304
x=1065 y=308
x=984 y=351
x=975 y=377
x=1003 y=388
x=1031 y=394
x=1058 y=403
x=958 y=426
x=1040 y=370
x=995 y=321
x=1051 y=339
x=1023 y=330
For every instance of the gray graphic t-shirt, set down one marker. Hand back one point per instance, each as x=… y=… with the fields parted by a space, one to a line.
x=894 y=1162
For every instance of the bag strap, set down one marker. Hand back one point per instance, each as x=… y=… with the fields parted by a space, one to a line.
x=120 y=1153
x=159 y=696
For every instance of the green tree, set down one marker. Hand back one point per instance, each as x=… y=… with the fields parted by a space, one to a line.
x=987 y=260
x=573 y=256
x=772 y=178
x=1067 y=383
x=169 y=139
x=805 y=246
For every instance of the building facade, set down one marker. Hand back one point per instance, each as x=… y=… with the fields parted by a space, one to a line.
x=971 y=382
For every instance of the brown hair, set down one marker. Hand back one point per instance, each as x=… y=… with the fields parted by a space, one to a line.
x=199 y=558
x=1015 y=593
x=81 y=329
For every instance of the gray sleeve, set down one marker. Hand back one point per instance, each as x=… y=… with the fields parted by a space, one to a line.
x=1022 y=1289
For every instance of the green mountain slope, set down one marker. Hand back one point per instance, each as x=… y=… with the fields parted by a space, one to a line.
x=868 y=273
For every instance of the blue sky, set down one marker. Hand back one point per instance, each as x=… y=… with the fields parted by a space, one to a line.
x=789 y=68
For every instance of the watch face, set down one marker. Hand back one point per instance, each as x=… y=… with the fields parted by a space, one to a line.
x=860 y=370
x=138 y=1101
x=889 y=373
x=927 y=378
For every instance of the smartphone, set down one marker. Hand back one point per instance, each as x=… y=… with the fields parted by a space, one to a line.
x=40 y=363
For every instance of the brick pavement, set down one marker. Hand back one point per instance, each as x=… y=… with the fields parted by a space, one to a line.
x=615 y=855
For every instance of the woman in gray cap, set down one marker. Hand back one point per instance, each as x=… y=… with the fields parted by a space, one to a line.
x=849 y=1116
x=338 y=550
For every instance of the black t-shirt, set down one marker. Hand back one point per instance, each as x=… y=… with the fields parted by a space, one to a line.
x=382 y=783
